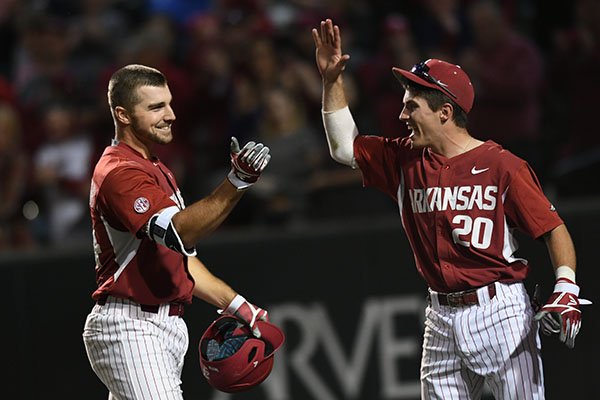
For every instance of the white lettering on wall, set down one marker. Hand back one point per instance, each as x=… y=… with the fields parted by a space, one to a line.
x=375 y=334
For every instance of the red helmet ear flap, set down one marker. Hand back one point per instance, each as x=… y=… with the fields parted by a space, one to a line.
x=232 y=359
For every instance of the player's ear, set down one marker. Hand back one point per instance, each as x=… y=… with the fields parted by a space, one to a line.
x=121 y=115
x=446 y=112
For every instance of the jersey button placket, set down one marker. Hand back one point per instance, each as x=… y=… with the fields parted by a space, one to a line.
x=445 y=175
x=439 y=218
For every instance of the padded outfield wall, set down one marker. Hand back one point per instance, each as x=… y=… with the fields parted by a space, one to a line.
x=347 y=295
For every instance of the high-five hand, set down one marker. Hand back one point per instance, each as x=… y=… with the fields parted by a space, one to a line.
x=248 y=163
x=328 y=42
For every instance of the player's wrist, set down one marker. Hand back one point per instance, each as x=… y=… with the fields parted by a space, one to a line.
x=239 y=184
x=564 y=272
x=562 y=285
x=565 y=280
x=235 y=304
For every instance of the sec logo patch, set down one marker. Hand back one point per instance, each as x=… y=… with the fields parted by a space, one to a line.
x=141 y=205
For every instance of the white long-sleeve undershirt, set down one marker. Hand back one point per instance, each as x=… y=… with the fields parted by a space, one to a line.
x=340 y=130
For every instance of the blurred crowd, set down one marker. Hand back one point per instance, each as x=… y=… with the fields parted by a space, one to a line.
x=246 y=68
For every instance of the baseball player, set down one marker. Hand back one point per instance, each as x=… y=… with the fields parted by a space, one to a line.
x=460 y=200
x=144 y=237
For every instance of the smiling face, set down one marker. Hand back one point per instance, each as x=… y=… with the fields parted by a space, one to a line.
x=424 y=123
x=152 y=116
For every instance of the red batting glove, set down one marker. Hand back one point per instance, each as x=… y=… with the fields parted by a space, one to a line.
x=561 y=313
x=247 y=164
x=247 y=313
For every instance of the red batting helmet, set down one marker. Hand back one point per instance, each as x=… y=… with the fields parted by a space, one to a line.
x=234 y=360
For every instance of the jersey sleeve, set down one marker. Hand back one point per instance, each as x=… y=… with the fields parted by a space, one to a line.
x=379 y=160
x=129 y=197
x=526 y=205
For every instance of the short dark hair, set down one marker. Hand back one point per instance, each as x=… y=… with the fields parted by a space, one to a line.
x=435 y=100
x=123 y=84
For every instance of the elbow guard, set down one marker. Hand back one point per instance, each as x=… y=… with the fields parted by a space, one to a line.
x=161 y=230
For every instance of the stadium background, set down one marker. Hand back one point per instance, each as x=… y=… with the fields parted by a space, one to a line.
x=353 y=323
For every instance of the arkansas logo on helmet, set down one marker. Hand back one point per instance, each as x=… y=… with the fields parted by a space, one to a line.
x=234 y=360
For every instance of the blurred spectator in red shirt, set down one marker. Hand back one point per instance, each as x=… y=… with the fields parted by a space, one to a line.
x=14 y=164
x=442 y=29
x=42 y=69
x=506 y=69
x=210 y=70
x=574 y=68
x=396 y=48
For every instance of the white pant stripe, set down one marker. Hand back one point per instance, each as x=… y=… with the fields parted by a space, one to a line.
x=136 y=354
x=495 y=342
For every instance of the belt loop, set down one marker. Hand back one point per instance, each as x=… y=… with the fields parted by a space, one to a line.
x=487 y=293
x=176 y=309
x=102 y=299
x=483 y=295
x=492 y=290
x=435 y=302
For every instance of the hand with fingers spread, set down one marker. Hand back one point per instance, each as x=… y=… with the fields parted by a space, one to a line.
x=328 y=42
x=247 y=164
x=561 y=313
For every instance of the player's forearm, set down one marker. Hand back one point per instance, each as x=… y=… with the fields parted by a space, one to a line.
x=561 y=248
x=340 y=128
x=208 y=287
x=334 y=95
x=204 y=216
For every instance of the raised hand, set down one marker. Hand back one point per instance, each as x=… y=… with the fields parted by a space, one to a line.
x=248 y=163
x=328 y=42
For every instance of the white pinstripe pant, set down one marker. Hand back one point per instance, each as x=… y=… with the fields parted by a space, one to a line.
x=496 y=342
x=136 y=354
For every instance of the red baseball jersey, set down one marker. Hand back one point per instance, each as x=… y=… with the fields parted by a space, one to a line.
x=459 y=213
x=126 y=191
